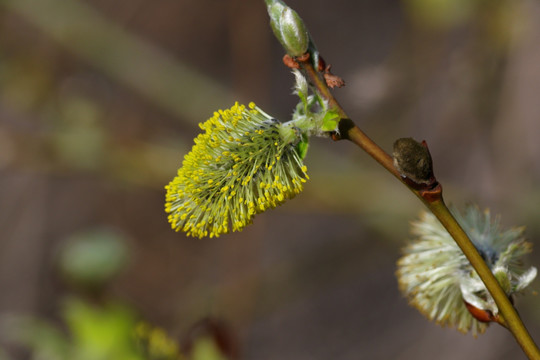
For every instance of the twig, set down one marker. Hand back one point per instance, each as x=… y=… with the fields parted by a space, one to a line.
x=431 y=196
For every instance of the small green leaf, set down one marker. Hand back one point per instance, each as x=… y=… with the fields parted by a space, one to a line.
x=330 y=121
x=302 y=147
x=304 y=103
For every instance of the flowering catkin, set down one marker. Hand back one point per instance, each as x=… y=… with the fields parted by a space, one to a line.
x=242 y=164
x=438 y=280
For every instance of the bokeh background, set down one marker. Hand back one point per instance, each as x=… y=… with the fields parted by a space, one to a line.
x=100 y=100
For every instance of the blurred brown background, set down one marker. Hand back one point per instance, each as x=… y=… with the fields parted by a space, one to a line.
x=99 y=101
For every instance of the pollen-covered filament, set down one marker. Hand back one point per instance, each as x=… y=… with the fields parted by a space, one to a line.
x=239 y=166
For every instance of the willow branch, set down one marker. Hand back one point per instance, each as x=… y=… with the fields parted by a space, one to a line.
x=432 y=198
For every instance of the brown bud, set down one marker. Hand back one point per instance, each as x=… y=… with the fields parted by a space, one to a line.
x=413 y=160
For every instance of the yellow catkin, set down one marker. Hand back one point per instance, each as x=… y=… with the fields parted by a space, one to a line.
x=238 y=167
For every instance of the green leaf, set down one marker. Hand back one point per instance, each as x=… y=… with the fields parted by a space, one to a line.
x=302 y=147
x=330 y=121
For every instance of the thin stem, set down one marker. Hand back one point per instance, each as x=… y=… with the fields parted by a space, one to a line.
x=433 y=199
x=512 y=321
x=319 y=84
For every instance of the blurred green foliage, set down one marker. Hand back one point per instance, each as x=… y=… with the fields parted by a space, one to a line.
x=155 y=343
x=94 y=256
x=206 y=349
x=93 y=333
x=101 y=332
